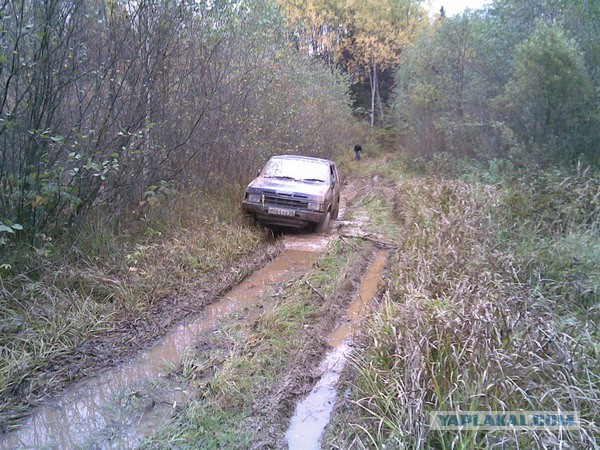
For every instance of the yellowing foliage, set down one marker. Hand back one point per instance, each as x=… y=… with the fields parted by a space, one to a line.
x=365 y=36
x=366 y=31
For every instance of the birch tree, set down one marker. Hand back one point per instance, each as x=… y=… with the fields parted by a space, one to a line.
x=378 y=30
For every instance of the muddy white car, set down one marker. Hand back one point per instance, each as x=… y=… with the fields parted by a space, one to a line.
x=295 y=192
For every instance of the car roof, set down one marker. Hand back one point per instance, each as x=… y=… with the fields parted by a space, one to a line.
x=303 y=158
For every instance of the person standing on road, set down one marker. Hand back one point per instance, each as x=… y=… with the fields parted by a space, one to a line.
x=357 y=151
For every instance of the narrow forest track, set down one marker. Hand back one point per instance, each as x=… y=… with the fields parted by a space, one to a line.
x=119 y=407
x=295 y=410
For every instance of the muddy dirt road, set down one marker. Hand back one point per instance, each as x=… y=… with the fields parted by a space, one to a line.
x=92 y=410
x=119 y=407
x=312 y=414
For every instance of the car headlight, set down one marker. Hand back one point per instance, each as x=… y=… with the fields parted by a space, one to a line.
x=315 y=206
x=254 y=198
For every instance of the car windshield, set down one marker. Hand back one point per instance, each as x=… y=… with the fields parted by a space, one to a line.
x=296 y=169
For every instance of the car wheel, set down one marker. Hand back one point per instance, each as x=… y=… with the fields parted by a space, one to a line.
x=336 y=211
x=323 y=226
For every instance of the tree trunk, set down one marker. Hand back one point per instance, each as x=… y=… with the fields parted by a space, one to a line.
x=376 y=102
x=379 y=103
x=372 y=81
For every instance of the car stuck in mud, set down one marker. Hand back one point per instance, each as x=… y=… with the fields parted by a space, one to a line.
x=295 y=192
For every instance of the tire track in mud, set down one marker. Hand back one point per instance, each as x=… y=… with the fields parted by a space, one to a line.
x=307 y=392
x=313 y=413
x=97 y=412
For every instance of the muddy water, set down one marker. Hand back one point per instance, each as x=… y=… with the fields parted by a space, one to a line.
x=313 y=413
x=88 y=414
x=359 y=306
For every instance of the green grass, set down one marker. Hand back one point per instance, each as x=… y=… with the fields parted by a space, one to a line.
x=217 y=419
x=373 y=163
x=380 y=220
x=58 y=296
x=204 y=425
x=483 y=312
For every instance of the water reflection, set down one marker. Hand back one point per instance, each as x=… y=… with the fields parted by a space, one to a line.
x=313 y=413
x=88 y=413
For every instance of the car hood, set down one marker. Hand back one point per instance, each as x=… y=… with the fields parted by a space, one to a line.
x=282 y=186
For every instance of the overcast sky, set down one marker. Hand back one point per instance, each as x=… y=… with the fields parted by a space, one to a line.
x=454 y=7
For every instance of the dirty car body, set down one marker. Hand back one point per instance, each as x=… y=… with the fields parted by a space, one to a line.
x=294 y=192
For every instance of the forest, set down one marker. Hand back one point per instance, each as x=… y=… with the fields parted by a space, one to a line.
x=129 y=130
x=114 y=105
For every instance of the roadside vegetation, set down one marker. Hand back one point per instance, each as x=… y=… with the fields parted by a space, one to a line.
x=491 y=143
x=75 y=305
x=492 y=304
x=248 y=399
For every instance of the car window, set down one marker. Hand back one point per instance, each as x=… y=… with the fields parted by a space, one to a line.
x=333 y=175
x=297 y=169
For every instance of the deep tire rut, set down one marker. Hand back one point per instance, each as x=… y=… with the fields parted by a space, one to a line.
x=273 y=409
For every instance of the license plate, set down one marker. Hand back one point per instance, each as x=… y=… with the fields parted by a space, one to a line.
x=282 y=212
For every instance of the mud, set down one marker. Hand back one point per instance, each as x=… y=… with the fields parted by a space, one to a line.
x=307 y=242
x=312 y=414
x=89 y=413
x=360 y=306
x=274 y=407
x=125 y=340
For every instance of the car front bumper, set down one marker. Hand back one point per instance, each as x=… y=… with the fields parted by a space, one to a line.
x=300 y=219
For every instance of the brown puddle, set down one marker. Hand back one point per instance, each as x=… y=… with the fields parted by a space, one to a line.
x=313 y=413
x=366 y=293
x=84 y=414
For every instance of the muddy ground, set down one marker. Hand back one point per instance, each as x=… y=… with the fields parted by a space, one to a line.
x=275 y=406
x=132 y=334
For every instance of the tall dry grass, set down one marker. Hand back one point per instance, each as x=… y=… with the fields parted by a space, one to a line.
x=61 y=296
x=471 y=323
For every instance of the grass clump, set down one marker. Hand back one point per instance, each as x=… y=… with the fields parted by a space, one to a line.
x=479 y=317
